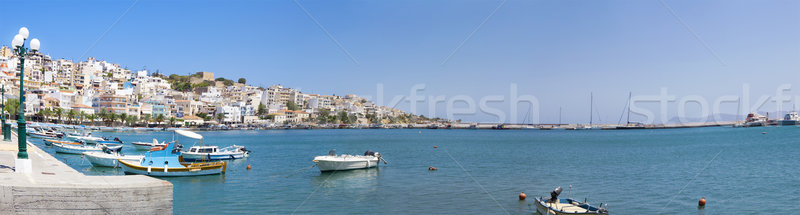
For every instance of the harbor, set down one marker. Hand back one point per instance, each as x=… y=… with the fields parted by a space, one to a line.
x=504 y=163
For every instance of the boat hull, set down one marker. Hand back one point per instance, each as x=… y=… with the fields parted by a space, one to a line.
x=543 y=208
x=108 y=160
x=192 y=170
x=338 y=165
x=145 y=146
x=78 y=149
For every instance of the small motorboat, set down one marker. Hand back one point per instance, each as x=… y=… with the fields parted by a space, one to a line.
x=85 y=138
x=145 y=146
x=108 y=158
x=168 y=162
x=199 y=153
x=211 y=153
x=80 y=149
x=49 y=142
x=334 y=162
x=556 y=206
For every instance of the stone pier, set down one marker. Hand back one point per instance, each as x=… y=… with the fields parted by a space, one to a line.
x=55 y=188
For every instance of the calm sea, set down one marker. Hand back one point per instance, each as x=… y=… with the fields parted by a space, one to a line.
x=738 y=171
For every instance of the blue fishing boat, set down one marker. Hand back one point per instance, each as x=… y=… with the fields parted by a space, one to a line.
x=168 y=162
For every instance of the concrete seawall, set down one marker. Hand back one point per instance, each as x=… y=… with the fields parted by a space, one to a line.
x=55 y=188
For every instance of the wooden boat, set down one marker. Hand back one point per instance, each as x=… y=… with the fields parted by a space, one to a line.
x=144 y=146
x=86 y=138
x=108 y=158
x=333 y=162
x=80 y=149
x=556 y=206
x=211 y=153
x=168 y=162
x=49 y=142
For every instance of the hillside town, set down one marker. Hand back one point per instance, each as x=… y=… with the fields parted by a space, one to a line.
x=103 y=93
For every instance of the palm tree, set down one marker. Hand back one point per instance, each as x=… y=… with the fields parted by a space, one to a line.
x=123 y=117
x=12 y=107
x=160 y=118
x=111 y=118
x=146 y=119
x=82 y=115
x=172 y=121
x=47 y=113
x=71 y=115
x=58 y=111
x=91 y=118
x=220 y=116
x=103 y=115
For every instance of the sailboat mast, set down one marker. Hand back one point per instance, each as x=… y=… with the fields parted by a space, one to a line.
x=559 y=115
x=591 y=104
x=629 y=107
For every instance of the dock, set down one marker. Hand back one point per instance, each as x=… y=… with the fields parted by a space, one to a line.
x=55 y=188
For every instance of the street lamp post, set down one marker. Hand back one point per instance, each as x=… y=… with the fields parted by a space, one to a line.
x=23 y=164
x=6 y=128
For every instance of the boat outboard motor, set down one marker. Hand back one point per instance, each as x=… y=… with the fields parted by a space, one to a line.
x=369 y=153
x=332 y=152
x=555 y=193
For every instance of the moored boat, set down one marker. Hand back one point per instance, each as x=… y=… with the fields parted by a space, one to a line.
x=198 y=153
x=80 y=149
x=109 y=158
x=49 y=142
x=144 y=146
x=167 y=162
x=334 y=162
x=567 y=206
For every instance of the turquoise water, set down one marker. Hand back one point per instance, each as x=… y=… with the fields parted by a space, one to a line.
x=738 y=170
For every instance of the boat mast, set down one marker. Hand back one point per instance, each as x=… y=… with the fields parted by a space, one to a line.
x=629 y=107
x=591 y=103
x=559 y=115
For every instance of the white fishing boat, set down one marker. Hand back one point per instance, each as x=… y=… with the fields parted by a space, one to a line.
x=556 y=206
x=198 y=153
x=145 y=146
x=109 y=158
x=755 y=120
x=85 y=138
x=211 y=153
x=334 y=162
x=80 y=149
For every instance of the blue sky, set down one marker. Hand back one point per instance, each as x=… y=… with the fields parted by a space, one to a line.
x=557 y=51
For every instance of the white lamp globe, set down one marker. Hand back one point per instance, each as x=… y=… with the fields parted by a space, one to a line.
x=17 y=41
x=35 y=44
x=24 y=32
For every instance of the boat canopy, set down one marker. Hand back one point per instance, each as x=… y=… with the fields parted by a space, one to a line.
x=189 y=134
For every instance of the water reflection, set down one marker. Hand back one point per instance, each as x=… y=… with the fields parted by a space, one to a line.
x=358 y=178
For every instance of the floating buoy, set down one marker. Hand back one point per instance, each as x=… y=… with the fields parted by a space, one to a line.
x=702 y=202
x=431 y=168
x=764 y=132
x=435 y=147
x=522 y=196
x=248 y=166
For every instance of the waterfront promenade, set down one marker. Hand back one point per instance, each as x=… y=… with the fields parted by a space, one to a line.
x=55 y=188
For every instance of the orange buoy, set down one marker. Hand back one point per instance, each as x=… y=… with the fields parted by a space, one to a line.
x=431 y=168
x=522 y=196
x=702 y=202
x=248 y=166
x=763 y=132
x=435 y=147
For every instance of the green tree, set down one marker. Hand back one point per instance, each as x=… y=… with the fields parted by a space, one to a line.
x=172 y=121
x=160 y=118
x=123 y=117
x=91 y=118
x=220 y=116
x=111 y=118
x=58 y=112
x=262 y=109
x=146 y=118
x=343 y=117
x=71 y=115
x=322 y=115
x=242 y=81
x=291 y=105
